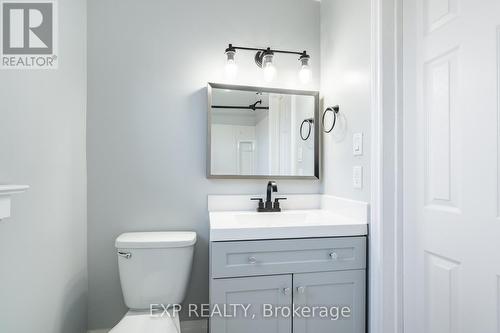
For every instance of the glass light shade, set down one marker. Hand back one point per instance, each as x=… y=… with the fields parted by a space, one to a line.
x=268 y=68
x=231 y=68
x=305 y=73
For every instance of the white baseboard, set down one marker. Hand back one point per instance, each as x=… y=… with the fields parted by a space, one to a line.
x=190 y=326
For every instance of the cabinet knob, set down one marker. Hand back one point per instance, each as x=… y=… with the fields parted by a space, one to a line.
x=301 y=290
x=252 y=260
x=334 y=255
x=286 y=291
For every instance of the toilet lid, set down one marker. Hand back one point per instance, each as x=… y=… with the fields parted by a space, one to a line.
x=140 y=322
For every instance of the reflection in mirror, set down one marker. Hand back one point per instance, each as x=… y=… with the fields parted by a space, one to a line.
x=262 y=132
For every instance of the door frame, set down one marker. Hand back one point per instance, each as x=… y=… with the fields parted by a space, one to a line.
x=386 y=229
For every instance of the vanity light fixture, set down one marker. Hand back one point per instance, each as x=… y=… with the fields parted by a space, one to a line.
x=264 y=58
x=268 y=66
x=231 y=67
x=305 y=70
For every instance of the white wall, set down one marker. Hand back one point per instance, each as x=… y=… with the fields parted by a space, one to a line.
x=43 y=255
x=149 y=63
x=345 y=80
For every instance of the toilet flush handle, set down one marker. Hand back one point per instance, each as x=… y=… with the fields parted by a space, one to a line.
x=126 y=255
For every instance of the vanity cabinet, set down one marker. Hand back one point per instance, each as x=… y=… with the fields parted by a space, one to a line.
x=315 y=274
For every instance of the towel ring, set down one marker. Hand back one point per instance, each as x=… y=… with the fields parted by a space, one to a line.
x=335 y=109
x=309 y=122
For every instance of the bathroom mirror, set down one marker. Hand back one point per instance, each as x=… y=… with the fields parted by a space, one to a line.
x=256 y=132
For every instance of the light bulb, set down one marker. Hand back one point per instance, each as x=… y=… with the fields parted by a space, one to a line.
x=305 y=74
x=305 y=70
x=268 y=67
x=231 y=67
x=269 y=72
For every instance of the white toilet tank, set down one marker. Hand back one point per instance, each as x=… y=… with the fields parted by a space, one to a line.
x=154 y=267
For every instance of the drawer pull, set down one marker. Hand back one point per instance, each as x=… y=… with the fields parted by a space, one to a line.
x=301 y=290
x=286 y=291
x=252 y=260
x=334 y=255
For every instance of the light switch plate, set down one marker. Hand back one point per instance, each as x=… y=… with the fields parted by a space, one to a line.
x=357 y=177
x=357 y=144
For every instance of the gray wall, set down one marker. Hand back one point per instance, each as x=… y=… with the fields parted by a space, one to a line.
x=149 y=62
x=43 y=252
x=345 y=80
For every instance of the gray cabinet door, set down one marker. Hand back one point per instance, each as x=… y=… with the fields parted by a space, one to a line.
x=336 y=292
x=257 y=291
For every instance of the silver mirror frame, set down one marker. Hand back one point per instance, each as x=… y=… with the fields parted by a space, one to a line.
x=317 y=130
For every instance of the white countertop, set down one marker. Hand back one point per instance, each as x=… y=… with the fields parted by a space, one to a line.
x=307 y=223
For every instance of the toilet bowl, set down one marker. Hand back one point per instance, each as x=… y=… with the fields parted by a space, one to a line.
x=154 y=271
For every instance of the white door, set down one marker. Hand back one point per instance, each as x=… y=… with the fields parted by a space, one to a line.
x=451 y=192
x=246 y=157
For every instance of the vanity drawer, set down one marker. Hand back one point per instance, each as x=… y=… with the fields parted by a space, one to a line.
x=247 y=258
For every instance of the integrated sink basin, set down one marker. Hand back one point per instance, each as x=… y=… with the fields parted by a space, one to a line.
x=251 y=219
x=247 y=225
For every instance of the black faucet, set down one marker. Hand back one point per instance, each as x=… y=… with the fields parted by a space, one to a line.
x=268 y=206
x=271 y=187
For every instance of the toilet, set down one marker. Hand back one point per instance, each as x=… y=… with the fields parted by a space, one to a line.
x=154 y=269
